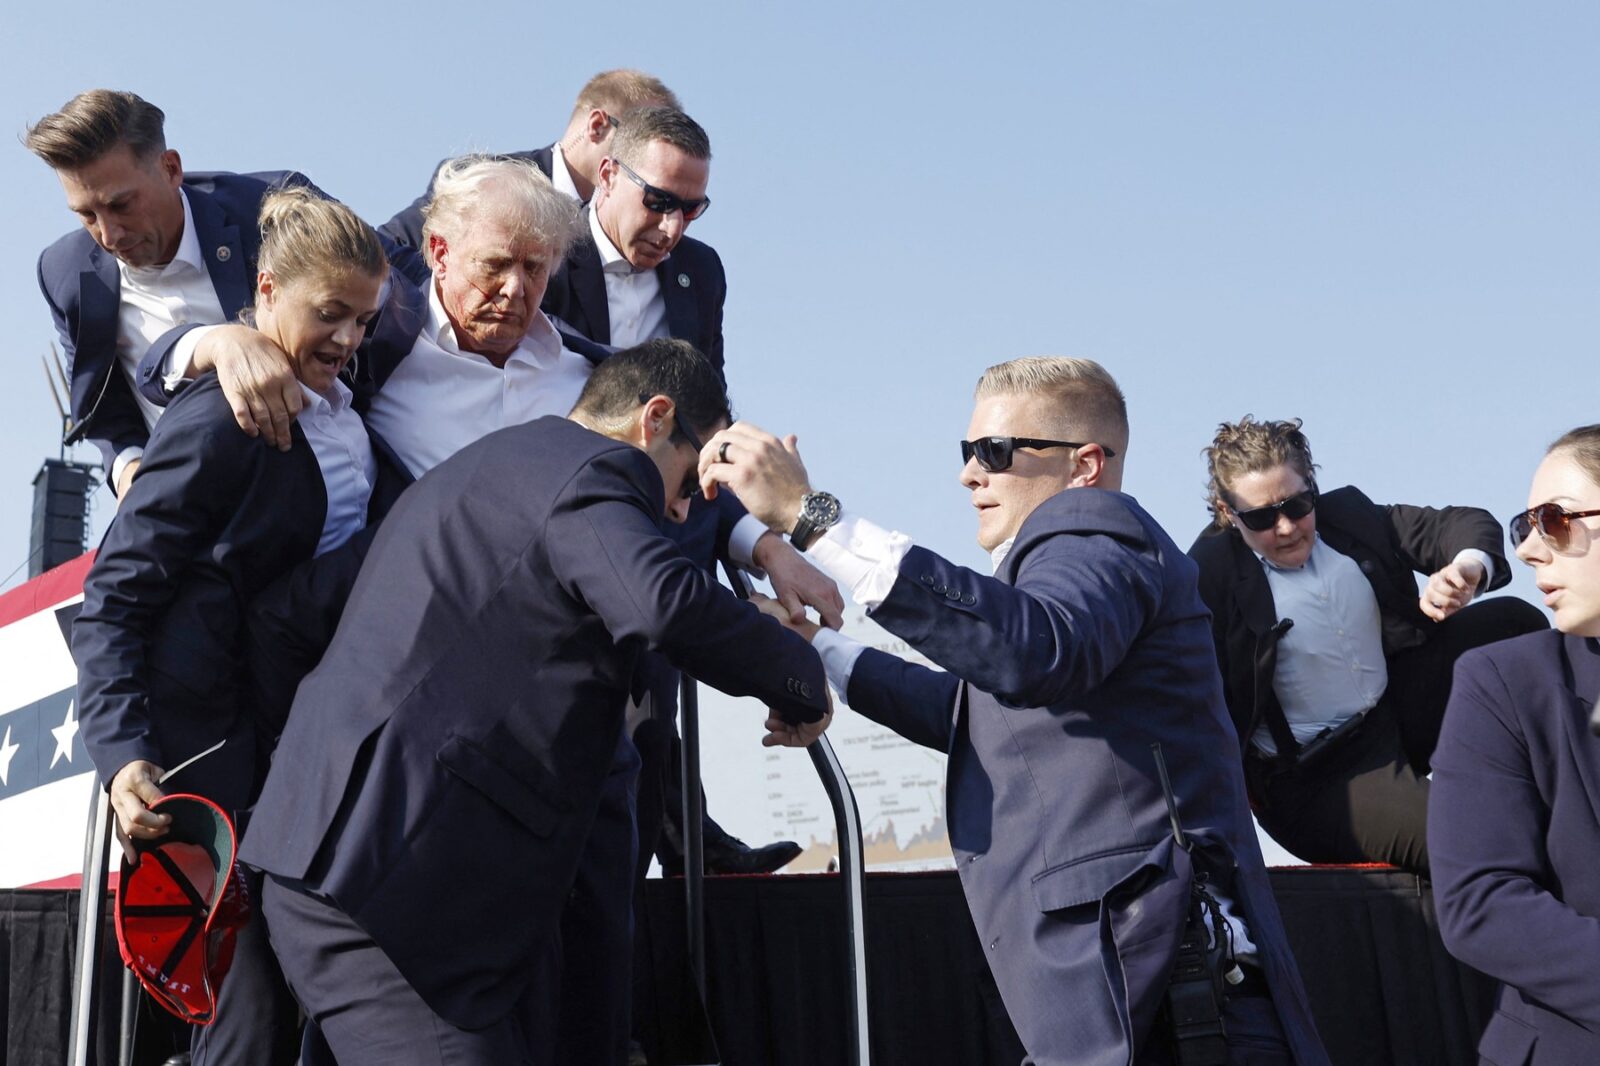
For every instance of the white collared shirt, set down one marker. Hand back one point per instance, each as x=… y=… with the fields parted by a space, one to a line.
x=634 y=303
x=344 y=453
x=561 y=174
x=442 y=398
x=155 y=299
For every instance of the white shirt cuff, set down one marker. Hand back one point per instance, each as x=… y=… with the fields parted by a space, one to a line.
x=120 y=463
x=863 y=557
x=1488 y=566
x=742 y=544
x=180 y=357
x=839 y=654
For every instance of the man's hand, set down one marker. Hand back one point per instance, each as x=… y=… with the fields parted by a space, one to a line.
x=130 y=468
x=764 y=472
x=802 y=626
x=256 y=377
x=1451 y=589
x=132 y=792
x=781 y=734
x=798 y=584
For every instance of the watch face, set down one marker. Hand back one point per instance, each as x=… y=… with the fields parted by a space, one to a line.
x=821 y=509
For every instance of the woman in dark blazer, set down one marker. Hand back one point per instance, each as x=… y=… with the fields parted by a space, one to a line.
x=1514 y=818
x=212 y=517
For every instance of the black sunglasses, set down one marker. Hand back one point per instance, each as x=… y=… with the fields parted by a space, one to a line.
x=663 y=202
x=1296 y=507
x=995 y=453
x=1553 y=522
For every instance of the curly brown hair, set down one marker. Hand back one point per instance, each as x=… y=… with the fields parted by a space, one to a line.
x=1250 y=447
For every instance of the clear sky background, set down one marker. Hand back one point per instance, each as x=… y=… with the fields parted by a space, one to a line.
x=1378 y=217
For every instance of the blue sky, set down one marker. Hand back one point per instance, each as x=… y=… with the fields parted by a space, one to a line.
x=1380 y=218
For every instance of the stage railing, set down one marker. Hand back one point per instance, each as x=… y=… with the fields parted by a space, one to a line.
x=847 y=829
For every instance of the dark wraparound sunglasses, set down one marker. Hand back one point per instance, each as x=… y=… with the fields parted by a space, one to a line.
x=663 y=202
x=1553 y=522
x=1296 y=507
x=995 y=453
x=691 y=481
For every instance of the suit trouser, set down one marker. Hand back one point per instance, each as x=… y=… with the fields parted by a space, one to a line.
x=583 y=982
x=367 y=1012
x=257 y=1023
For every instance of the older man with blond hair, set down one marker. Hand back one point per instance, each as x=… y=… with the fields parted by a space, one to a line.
x=1077 y=680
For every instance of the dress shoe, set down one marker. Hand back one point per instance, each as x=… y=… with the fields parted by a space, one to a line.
x=729 y=855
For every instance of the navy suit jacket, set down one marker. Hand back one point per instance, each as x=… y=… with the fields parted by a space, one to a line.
x=442 y=766
x=406 y=226
x=81 y=283
x=1391 y=544
x=159 y=642
x=1088 y=646
x=693 y=287
x=1513 y=833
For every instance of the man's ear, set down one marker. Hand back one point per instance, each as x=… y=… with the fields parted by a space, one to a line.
x=655 y=418
x=437 y=253
x=598 y=126
x=171 y=167
x=1089 y=467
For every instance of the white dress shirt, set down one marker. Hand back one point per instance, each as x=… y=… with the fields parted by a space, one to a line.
x=344 y=453
x=634 y=303
x=442 y=398
x=153 y=300
x=561 y=174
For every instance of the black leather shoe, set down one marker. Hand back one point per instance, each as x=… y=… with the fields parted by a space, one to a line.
x=730 y=855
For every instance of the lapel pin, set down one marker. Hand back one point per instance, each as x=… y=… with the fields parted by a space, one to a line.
x=683 y=281
x=224 y=253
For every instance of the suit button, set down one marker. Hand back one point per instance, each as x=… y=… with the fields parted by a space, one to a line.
x=952 y=594
x=805 y=690
x=969 y=599
x=939 y=590
x=927 y=579
x=789 y=684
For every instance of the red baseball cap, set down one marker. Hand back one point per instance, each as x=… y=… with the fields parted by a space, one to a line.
x=180 y=907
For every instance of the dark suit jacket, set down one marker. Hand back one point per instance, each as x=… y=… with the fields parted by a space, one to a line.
x=1513 y=831
x=159 y=642
x=1391 y=544
x=1088 y=646
x=81 y=283
x=693 y=287
x=442 y=766
x=406 y=226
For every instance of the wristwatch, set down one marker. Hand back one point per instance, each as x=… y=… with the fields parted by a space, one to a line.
x=819 y=512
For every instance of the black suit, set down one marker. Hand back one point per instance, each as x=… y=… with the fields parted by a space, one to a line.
x=441 y=769
x=211 y=518
x=406 y=226
x=693 y=288
x=1321 y=813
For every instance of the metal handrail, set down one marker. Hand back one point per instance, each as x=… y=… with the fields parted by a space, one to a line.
x=91 y=908
x=847 y=828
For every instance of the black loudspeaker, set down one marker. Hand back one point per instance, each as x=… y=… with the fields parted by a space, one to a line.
x=60 y=514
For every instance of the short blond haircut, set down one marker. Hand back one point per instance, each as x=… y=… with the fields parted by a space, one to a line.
x=94 y=123
x=617 y=92
x=1087 y=397
x=515 y=189
x=304 y=235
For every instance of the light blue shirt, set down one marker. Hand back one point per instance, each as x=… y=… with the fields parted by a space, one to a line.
x=1330 y=664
